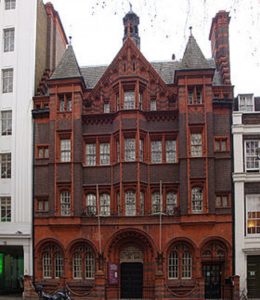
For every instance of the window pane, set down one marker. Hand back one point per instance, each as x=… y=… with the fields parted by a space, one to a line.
x=130 y=203
x=65 y=203
x=90 y=264
x=253 y=214
x=156 y=151
x=8 y=39
x=197 y=199
x=91 y=154
x=46 y=264
x=105 y=205
x=65 y=150
x=105 y=154
x=173 y=265
x=196 y=145
x=129 y=100
x=58 y=265
x=10 y=4
x=153 y=105
x=171 y=203
x=141 y=150
x=170 y=151
x=186 y=264
x=129 y=149
x=6 y=122
x=91 y=204
x=106 y=108
x=155 y=202
x=142 y=203
x=7 y=82
x=5 y=165
x=5 y=203
x=77 y=266
x=252 y=162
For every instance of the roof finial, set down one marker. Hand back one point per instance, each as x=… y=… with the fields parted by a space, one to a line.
x=190 y=28
x=70 y=38
x=131 y=6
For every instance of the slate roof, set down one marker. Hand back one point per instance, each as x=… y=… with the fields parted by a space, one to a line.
x=193 y=57
x=68 y=66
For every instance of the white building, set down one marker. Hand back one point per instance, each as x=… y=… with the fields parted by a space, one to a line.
x=246 y=177
x=30 y=45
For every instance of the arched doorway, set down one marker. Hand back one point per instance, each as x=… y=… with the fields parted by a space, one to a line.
x=131 y=273
x=214 y=256
x=131 y=263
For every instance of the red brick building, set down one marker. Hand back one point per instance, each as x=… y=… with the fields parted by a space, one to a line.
x=132 y=174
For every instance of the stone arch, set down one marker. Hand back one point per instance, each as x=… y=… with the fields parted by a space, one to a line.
x=185 y=240
x=130 y=236
x=76 y=242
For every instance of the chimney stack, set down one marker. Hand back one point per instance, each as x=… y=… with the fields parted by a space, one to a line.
x=219 y=37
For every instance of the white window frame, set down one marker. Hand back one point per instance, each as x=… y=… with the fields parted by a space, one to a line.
x=171 y=202
x=91 y=204
x=6 y=209
x=7 y=80
x=104 y=154
x=250 y=154
x=170 y=148
x=104 y=205
x=65 y=203
x=173 y=265
x=196 y=144
x=153 y=105
x=156 y=202
x=253 y=221
x=77 y=265
x=10 y=4
x=91 y=156
x=65 y=150
x=58 y=265
x=8 y=36
x=6 y=165
x=130 y=145
x=47 y=265
x=156 y=152
x=106 y=108
x=141 y=150
x=197 y=199
x=130 y=203
x=246 y=103
x=6 y=122
x=186 y=264
x=129 y=100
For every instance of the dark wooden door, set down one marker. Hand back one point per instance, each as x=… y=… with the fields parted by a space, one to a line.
x=131 y=280
x=212 y=276
x=253 y=276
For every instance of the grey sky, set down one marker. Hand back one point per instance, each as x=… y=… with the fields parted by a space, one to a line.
x=96 y=29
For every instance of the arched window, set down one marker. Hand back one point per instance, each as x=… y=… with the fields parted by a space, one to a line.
x=65 y=205
x=104 y=204
x=91 y=204
x=83 y=262
x=171 y=202
x=180 y=262
x=155 y=202
x=52 y=262
x=130 y=203
x=197 y=199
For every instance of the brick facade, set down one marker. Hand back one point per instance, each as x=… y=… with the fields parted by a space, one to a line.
x=193 y=113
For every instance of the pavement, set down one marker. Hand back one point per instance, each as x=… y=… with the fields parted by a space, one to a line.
x=11 y=297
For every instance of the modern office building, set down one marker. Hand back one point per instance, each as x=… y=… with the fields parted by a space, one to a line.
x=246 y=177
x=32 y=42
x=133 y=174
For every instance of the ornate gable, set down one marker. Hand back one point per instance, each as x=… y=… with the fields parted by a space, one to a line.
x=130 y=71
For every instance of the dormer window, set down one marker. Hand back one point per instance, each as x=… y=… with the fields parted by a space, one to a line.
x=246 y=103
x=129 y=100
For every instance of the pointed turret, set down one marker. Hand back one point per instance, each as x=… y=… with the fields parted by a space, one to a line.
x=193 y=57
x=131 y=22
x=68 y=66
